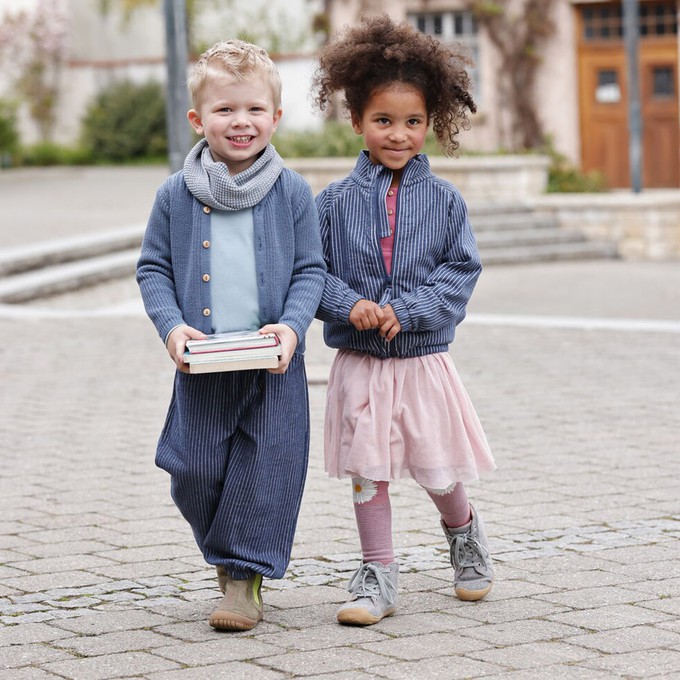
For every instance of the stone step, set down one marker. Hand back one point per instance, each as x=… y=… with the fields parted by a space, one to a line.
x=479 y=209
x=37 y=255
x=67 y=276
x=513 y=238
x=576 y=250
x=505 y=234
x=512 y=221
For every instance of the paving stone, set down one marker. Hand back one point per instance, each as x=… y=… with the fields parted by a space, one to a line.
x=421 y=646
x=622 y=640
x=663 y=663
x=30 y=673
x=30 y=633
x=610 y=617
x=112 y=643
x=129 y=664
x=148 y=553
x=323 y=637
x=347 y=675
x=534 y=655
x=520 y=632
x=587 y=598
x=17 y=656
x=332 y=660
x=188 y=631
x=226 y=647
x=516 y=609
x=572 y=551
x=556 y=672
x=99 y=623
x=62 y=579
x=444 y=667
x=234 y=670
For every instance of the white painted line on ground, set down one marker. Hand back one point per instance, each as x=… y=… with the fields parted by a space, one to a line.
x=575 y=323
x=128 y=308
x=134 y=307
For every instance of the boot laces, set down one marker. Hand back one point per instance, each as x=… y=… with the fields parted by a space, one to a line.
x=370 y=581
x=467 y=551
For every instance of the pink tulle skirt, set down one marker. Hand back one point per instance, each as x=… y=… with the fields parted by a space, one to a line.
x=393 y=418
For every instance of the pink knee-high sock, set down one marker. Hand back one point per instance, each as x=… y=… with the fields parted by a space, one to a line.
x=453 y=506
x=374 y=521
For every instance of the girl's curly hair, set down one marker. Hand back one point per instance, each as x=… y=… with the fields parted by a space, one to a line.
x=378 y=52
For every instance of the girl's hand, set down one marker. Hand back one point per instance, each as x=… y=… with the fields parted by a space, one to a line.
x=177 y=343
x=289 y=341
x=390 y=326
x=366 y=314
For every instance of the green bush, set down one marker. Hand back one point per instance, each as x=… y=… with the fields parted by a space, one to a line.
x=563 y=177
x=332 y=140
x=9 y=137
x=126 y=122
x=49 y=153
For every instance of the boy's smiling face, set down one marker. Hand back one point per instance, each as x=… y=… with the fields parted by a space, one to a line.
x=237 y=118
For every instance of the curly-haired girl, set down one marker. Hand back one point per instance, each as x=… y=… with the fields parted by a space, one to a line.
x=402 y=264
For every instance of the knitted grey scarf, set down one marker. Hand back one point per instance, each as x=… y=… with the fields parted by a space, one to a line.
x=211 y=183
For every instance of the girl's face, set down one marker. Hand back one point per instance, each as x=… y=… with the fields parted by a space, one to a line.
x=393 y=124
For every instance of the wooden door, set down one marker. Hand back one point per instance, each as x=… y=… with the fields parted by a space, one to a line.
x=604 y=114
x=661 y=134
x=603 y=93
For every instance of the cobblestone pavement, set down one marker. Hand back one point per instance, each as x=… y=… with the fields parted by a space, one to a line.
x=574 y=369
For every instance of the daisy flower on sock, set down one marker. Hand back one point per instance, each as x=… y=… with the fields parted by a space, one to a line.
x=363 y=489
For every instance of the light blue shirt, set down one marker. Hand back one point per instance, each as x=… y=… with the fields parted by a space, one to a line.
x=233 y=277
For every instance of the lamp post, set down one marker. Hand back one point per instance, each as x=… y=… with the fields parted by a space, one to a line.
x=631 y=32
x=177 y=98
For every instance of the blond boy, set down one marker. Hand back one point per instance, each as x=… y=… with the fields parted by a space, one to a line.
x=232 y=243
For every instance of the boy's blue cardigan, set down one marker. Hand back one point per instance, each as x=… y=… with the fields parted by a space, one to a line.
x=175 y=257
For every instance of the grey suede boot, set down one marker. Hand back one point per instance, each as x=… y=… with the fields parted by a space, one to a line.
x=374 y=594
x=469 y=553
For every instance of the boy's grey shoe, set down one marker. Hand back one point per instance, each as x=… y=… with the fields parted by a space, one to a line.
x=241 y=607
x=374 y=594
x=470 y=559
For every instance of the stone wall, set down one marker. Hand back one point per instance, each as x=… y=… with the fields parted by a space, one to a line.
x=644 y=226
x=501 y=179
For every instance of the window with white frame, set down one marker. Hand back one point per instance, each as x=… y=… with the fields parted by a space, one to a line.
x=454 y=26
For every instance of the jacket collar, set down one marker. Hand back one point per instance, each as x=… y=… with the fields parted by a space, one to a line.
x=366 y=173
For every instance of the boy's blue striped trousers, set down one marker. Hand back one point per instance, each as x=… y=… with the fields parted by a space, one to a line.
x=236 y=445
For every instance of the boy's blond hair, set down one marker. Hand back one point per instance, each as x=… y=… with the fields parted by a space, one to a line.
x=238 y=59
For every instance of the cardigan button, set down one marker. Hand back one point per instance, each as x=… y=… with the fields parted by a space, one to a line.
x=206 y=312
x=206 y=209
x=206 y=244
x=206 y=277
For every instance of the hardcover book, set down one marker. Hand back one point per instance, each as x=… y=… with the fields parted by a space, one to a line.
x=235 y=351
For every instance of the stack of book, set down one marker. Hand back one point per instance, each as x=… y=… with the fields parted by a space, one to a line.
x=237 y=351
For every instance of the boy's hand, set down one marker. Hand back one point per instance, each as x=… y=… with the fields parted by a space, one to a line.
x=177 y=343
x=366 y=314
x=289 y=341
x=390 y=326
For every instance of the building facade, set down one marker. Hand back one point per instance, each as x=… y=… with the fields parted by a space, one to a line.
x=105 y=44
x=581 y=92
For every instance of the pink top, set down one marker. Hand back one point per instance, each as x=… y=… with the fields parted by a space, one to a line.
x=387 y=243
